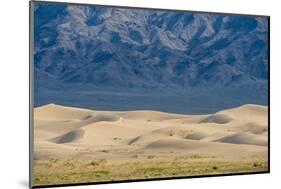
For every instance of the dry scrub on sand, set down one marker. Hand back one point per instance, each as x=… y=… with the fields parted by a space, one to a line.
x=75 y=145
x=83 y=171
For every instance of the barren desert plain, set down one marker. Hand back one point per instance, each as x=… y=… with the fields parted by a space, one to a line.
x=74 y=145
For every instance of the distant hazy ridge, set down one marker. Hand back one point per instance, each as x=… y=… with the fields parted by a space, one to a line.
x=222 y=58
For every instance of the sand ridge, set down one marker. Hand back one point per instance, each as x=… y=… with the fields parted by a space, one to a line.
x=62 y=131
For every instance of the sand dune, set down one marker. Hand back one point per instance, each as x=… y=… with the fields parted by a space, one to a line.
x=84 y=134
x=245 y=138
x=219 y=150
x=52 y=112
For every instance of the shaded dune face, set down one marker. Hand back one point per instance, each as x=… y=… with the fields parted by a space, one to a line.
x=69 y=137
x=244 y=138
x=254 y=128
x=197 y=135
x=174 y=144
x=217 y=118
x=83 y=133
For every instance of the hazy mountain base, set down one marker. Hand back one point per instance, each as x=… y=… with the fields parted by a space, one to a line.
x=196 y=100
x=55 y=171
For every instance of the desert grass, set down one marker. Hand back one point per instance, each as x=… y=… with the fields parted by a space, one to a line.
x=58 y=171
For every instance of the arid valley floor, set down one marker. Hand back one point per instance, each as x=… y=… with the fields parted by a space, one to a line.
x=73 y=145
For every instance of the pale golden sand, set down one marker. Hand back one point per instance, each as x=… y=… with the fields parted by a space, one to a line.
x=80 y=135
